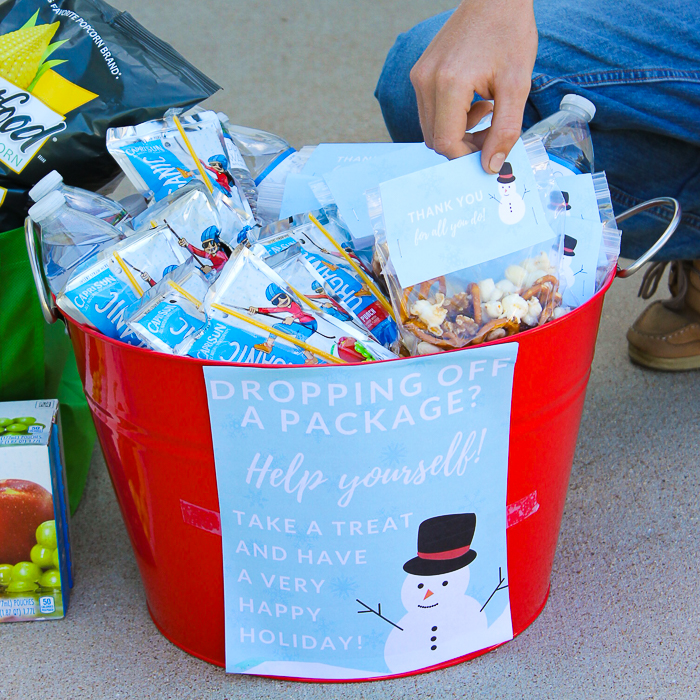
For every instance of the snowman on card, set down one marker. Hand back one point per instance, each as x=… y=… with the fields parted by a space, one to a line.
x=442 y=622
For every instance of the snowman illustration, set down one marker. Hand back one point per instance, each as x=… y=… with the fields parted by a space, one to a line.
x=442 y=622
x=511 y=207
x=565 y=271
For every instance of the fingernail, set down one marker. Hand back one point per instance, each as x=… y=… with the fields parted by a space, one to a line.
x=496 y=162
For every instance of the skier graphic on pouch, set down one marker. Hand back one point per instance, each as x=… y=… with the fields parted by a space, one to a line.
x=151 y=282
x=442 y=622
x=298 y=324
x=511 y=207
x=213 y=249
x=328 y=303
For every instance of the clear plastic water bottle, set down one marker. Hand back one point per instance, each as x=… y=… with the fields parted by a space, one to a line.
x=238 y=166
x=567 y=137
x=68 y=237
x=261 y=150
x=78 y=199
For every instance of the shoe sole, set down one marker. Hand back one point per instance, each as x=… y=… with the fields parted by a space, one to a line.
x=666 y=364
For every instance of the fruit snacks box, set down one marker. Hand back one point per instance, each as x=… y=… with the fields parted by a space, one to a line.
x=35 y=562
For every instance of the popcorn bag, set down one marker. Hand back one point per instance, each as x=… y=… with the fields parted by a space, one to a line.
x=68 y=70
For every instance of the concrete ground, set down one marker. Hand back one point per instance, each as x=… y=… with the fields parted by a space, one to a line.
x=622 y=620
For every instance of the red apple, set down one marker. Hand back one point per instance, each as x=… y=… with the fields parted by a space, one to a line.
x=24 y=505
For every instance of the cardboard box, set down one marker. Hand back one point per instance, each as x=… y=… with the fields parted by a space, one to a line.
x=35 y=561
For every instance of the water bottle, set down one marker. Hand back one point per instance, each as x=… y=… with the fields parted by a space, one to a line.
x=78 y=199
x=567 y=137
x=68 y=237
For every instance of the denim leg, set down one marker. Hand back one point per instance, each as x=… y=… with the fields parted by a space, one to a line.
x=639 y=63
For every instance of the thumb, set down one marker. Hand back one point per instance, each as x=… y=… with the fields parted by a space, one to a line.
x=505 y=129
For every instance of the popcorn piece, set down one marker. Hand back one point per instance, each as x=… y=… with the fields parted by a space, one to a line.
x=514 y=307
x=486 y=288
x=493 y=309
x=560 y=311
x=506 y=287
x=534 y=309
x=431 y=314
x=516 y=275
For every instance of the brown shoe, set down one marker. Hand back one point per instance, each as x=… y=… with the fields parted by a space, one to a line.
x=666 y=335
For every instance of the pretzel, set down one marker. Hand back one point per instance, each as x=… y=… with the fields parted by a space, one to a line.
x=476 y=299
x=486 y=329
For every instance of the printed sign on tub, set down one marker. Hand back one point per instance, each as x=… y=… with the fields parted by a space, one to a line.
x=363 y=512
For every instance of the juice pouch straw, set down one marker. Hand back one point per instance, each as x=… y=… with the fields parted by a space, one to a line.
x=507 y=291
x=157 y=161
x=100 y=292
x=170 y=313
x=69 y=70
x=336 y=272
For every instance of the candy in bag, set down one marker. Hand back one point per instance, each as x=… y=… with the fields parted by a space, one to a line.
x=69 y=70
x=157 y=161
x=168 y=314
x=100 y=291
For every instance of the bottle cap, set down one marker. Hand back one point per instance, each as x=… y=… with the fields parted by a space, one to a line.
x=46 y=206
x=222 y=116
x=47 y=184
x=581 y=102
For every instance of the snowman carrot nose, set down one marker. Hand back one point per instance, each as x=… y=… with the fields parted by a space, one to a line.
x=427 y=595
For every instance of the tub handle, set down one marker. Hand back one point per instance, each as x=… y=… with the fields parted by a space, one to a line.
x=670 y=229
x=48 y=308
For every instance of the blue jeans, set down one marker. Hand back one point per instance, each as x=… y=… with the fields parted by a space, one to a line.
x=639 y=63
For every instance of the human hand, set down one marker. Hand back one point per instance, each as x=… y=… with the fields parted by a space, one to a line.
x=486 y=47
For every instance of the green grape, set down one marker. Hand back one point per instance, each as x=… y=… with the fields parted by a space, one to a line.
x=50 y=579
x=56 y=559
x=17 y=428
x=22 y=587
x=46 y=534
x=27 y=420
x=25 y=571
x=41 y=556
x=5 y=574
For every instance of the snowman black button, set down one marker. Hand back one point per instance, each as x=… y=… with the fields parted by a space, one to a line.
x=434 y=628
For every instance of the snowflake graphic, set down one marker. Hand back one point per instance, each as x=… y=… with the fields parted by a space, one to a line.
x=393 y=455
x=256 y=498
x=305 y=542
x=343 y=587
x=375 y=639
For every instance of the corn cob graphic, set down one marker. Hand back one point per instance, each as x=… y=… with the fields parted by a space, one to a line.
x=22 y=53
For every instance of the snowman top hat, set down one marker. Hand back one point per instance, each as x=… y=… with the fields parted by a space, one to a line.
x=569 y=245
x=444 y=545
x=565 y=195
x=505 y=175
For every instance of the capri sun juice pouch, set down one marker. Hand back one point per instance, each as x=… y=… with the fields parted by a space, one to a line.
x=100 y=292
x=70 y=69
x=171 y=312
x=156 y=160
x=334 y=269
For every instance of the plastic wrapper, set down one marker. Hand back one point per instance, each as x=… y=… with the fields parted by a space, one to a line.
x=336 y=272
x=156 y=160
x=252 y=297
x=69 y=70
x=505 y=295
x=271 y=184
x=100 y=292
x=170 y=313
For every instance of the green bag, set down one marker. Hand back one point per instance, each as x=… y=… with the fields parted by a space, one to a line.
x=37 y=360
